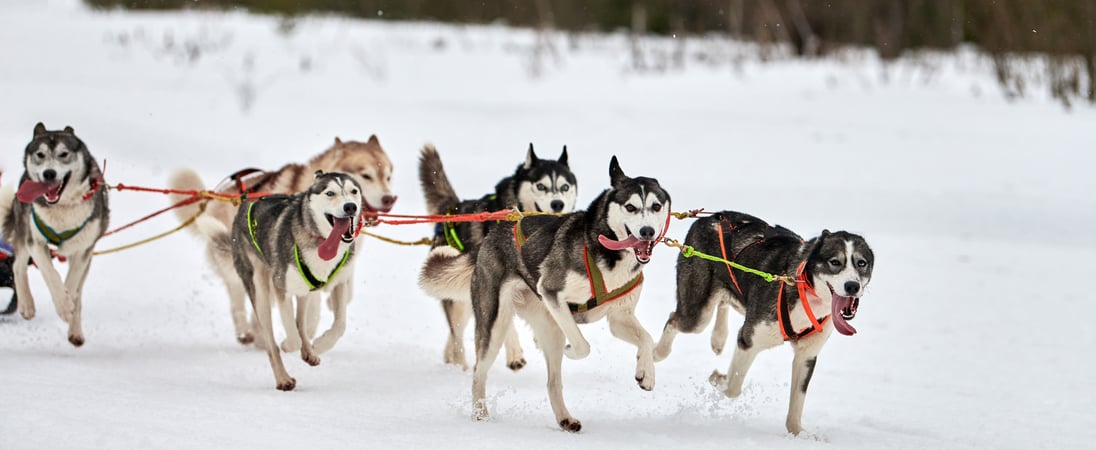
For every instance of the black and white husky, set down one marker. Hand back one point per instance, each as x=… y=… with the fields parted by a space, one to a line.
x=831 y=273
x=61 y=204
x=557 y=272
x=294 y=245
x=542 y=185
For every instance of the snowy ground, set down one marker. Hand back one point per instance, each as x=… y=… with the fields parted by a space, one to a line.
x=980 y=212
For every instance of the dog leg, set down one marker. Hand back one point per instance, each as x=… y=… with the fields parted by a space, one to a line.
x=292 y=341
x=61 y=299
x=550 y=340
x=263 y=316
x=485 y=358
x=721 y=329
x=806 y=355
x=666 y=342
x=457 y=314
x=577 y=347
x=307 y=354
x=515 y=358
x=312 y=320
x=237 y=297
x=79 y=265
x=751 y=341
x=624 y=325
x=340 y=295
x=19 y=270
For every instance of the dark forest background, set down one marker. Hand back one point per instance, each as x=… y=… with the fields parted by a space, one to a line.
x=1063 y=32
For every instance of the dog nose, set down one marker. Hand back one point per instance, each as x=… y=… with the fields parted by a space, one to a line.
x=852 y=287
x=647 y=233
x=350 y=209
x=557 y=205
x=49 y=175
x=388 y=200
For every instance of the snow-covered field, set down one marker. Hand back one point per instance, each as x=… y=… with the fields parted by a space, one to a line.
x=975 y=332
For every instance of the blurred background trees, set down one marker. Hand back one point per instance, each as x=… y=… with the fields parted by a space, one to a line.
x=1061 y=32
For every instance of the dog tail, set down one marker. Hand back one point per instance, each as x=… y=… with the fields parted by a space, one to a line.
x=447 y=274
x=204 y=225
x=439 y=193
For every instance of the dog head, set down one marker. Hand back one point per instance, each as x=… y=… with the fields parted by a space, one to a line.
x=368 y=164
x=335 y=200
x=840 y=266
x=544 y=185
x=637 y=213
x=54 y=161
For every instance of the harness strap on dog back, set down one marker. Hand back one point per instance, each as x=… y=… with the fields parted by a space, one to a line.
x=52 y=236
x=783 y=311
x=252 y=224
x=306 y=273
x=600 y=295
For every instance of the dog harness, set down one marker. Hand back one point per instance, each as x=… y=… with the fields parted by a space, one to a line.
x=783 y=311
x=600 y=294
x=309 y=278
x=52 y=236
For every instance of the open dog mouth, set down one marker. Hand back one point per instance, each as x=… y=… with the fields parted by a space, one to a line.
x=843 y=309
x=30 y=190
x=642 y=247
x=369 y=208
x=342 y=230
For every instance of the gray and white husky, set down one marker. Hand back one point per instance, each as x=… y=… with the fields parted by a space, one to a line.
x=557 y=272
x=542 y=185
x=831 y=270
x=62 y=204
x=294 y=245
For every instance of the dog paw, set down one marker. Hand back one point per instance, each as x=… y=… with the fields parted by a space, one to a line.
x=575 y=352
x=516 y=365
x=311 y=358
x=717 y=379
x=66 y=310
x=646 y=380
x=794 y=427
x=291 y=345
x=246 y=338
x=717 y=346
x=570 y=425
x=287 y=385
x=479 y=412
x=660 y=353
x=76 y=340
x=26 y=311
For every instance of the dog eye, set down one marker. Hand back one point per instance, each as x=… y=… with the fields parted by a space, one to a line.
x=367 y=177
x=40 y=155
x=63 y=155
x=330 y=193
x=861 y=263
x=565 y=188
x=353 y=192
x=630 y=208
x=835 y=262
x=656 y=207
x=541 y=187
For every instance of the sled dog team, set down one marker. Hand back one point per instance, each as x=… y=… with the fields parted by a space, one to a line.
x=555 y=271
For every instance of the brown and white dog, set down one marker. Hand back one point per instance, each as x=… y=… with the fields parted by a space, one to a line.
x=366 y=161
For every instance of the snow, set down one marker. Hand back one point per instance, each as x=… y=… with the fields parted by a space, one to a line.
x=980 y=212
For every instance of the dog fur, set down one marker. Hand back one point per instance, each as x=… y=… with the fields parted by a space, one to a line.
x=541 y=280
x=838 y=264
x=366 y=161
x=536 y=185
x=71 y=198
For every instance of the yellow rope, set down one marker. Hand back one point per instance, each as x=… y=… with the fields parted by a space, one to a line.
x=201 y=209
x=423 y=241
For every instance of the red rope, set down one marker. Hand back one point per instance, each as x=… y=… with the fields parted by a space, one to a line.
x=187 y=201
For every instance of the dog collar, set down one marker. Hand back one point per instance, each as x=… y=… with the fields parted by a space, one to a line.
x=306 y=273
x=783 y=311
x=52 y=236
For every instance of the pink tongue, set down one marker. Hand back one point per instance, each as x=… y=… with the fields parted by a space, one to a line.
x=330 y=246
x=631 y=242
x=29 y=191
x=839 y=323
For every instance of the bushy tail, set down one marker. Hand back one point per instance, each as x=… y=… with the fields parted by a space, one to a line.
x=205 y=226
x=447 y=274
x=439 y=194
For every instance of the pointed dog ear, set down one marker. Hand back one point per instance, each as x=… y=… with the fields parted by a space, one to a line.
x=39 y=129
x=530 y=158
x=825 y=232
x=69 y=130
x=616 y=175
x=563 y=157
x=317 y=174
x=338 y=141
x=373 y=140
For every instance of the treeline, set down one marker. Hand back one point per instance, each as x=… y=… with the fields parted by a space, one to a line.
x=1062 y=30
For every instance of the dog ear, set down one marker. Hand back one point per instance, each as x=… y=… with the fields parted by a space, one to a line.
x=616 y=174
x=825 y=232
x=338 y=141
x=317 y=174
x=373 y=140
x=563 y=157
x=69 y=130
x=39 y=129
x=530 y=158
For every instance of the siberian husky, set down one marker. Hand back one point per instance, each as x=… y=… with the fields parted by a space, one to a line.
x=296 y=245
x=541 y=185
x=61 y=204
x=369 y=165
x=558 y=272
x=832 y=271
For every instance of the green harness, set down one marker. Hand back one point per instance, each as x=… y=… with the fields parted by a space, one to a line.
x=306 y=274
x=600 y=294
x=52 y=236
